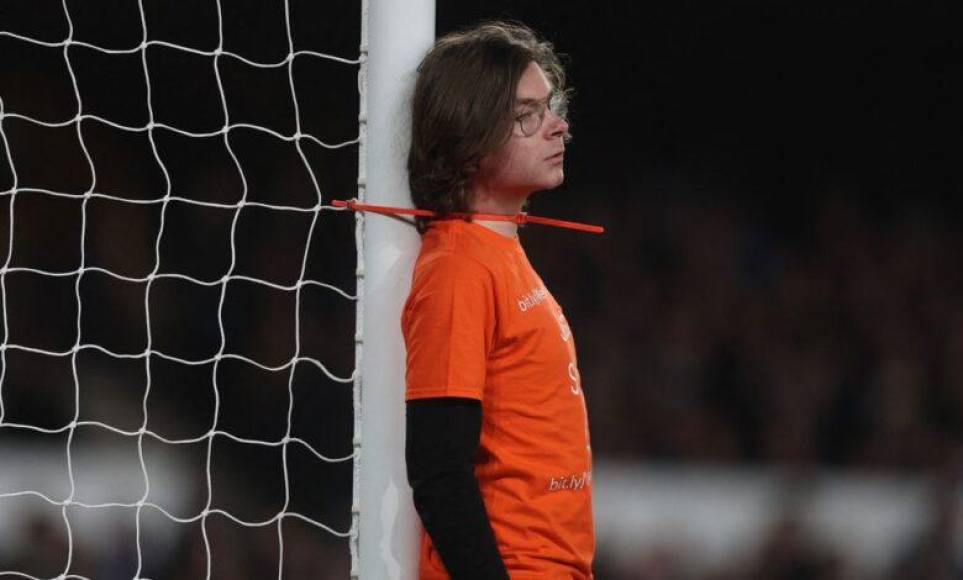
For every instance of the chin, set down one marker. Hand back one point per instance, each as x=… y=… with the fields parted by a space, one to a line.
x=550 y=181
x=556 y=180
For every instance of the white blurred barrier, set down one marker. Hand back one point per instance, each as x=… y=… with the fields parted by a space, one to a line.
x=37 y=476
x=717 y=516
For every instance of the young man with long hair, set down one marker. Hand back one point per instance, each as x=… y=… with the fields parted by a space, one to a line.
x=497 y=446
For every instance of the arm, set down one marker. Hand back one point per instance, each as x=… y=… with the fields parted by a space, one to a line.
x=442 y=437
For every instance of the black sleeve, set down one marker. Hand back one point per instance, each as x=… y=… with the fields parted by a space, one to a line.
x=442 y=438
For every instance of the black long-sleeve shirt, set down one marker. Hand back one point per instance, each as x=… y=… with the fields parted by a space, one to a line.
x=442 y=439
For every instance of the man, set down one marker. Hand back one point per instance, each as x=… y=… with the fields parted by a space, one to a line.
x=497 y=444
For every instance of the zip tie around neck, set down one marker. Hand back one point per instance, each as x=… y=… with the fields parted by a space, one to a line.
x=519 y=218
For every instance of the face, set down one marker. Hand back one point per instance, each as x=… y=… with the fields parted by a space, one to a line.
x=528 y=163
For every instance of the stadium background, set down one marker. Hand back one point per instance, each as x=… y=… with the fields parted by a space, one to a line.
x=779 y=287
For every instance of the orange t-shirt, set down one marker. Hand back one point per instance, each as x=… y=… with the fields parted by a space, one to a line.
x=479 y=323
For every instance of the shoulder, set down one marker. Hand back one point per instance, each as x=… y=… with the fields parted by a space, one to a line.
x=457 y=248
x=449 y=287
x=448 y=250
x=446 y=276
x=452 y=266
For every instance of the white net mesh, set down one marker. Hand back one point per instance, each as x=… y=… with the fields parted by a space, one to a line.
x=178 y=346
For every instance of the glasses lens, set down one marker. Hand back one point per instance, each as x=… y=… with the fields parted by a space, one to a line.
x=529 y=123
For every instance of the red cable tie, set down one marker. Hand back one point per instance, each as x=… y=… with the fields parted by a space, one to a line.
x=519 y=218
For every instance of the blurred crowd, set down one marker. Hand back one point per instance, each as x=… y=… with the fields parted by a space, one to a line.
x=712 y=334
x=830 y=338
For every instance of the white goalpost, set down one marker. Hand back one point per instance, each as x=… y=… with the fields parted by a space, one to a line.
x=176 y=348
x=395 y=37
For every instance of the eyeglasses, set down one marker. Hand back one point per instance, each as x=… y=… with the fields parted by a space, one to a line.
x=531 y=118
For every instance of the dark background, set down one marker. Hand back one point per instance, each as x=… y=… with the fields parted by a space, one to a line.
x=779 y=283
x=771 y=102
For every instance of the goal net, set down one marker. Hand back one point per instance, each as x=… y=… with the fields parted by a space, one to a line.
x=177 y=296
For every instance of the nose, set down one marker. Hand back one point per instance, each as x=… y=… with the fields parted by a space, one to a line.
x=558 y=126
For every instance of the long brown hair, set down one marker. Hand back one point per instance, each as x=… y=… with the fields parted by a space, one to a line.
x=462 y=108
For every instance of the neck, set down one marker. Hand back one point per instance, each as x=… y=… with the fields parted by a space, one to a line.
x=485 y=202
